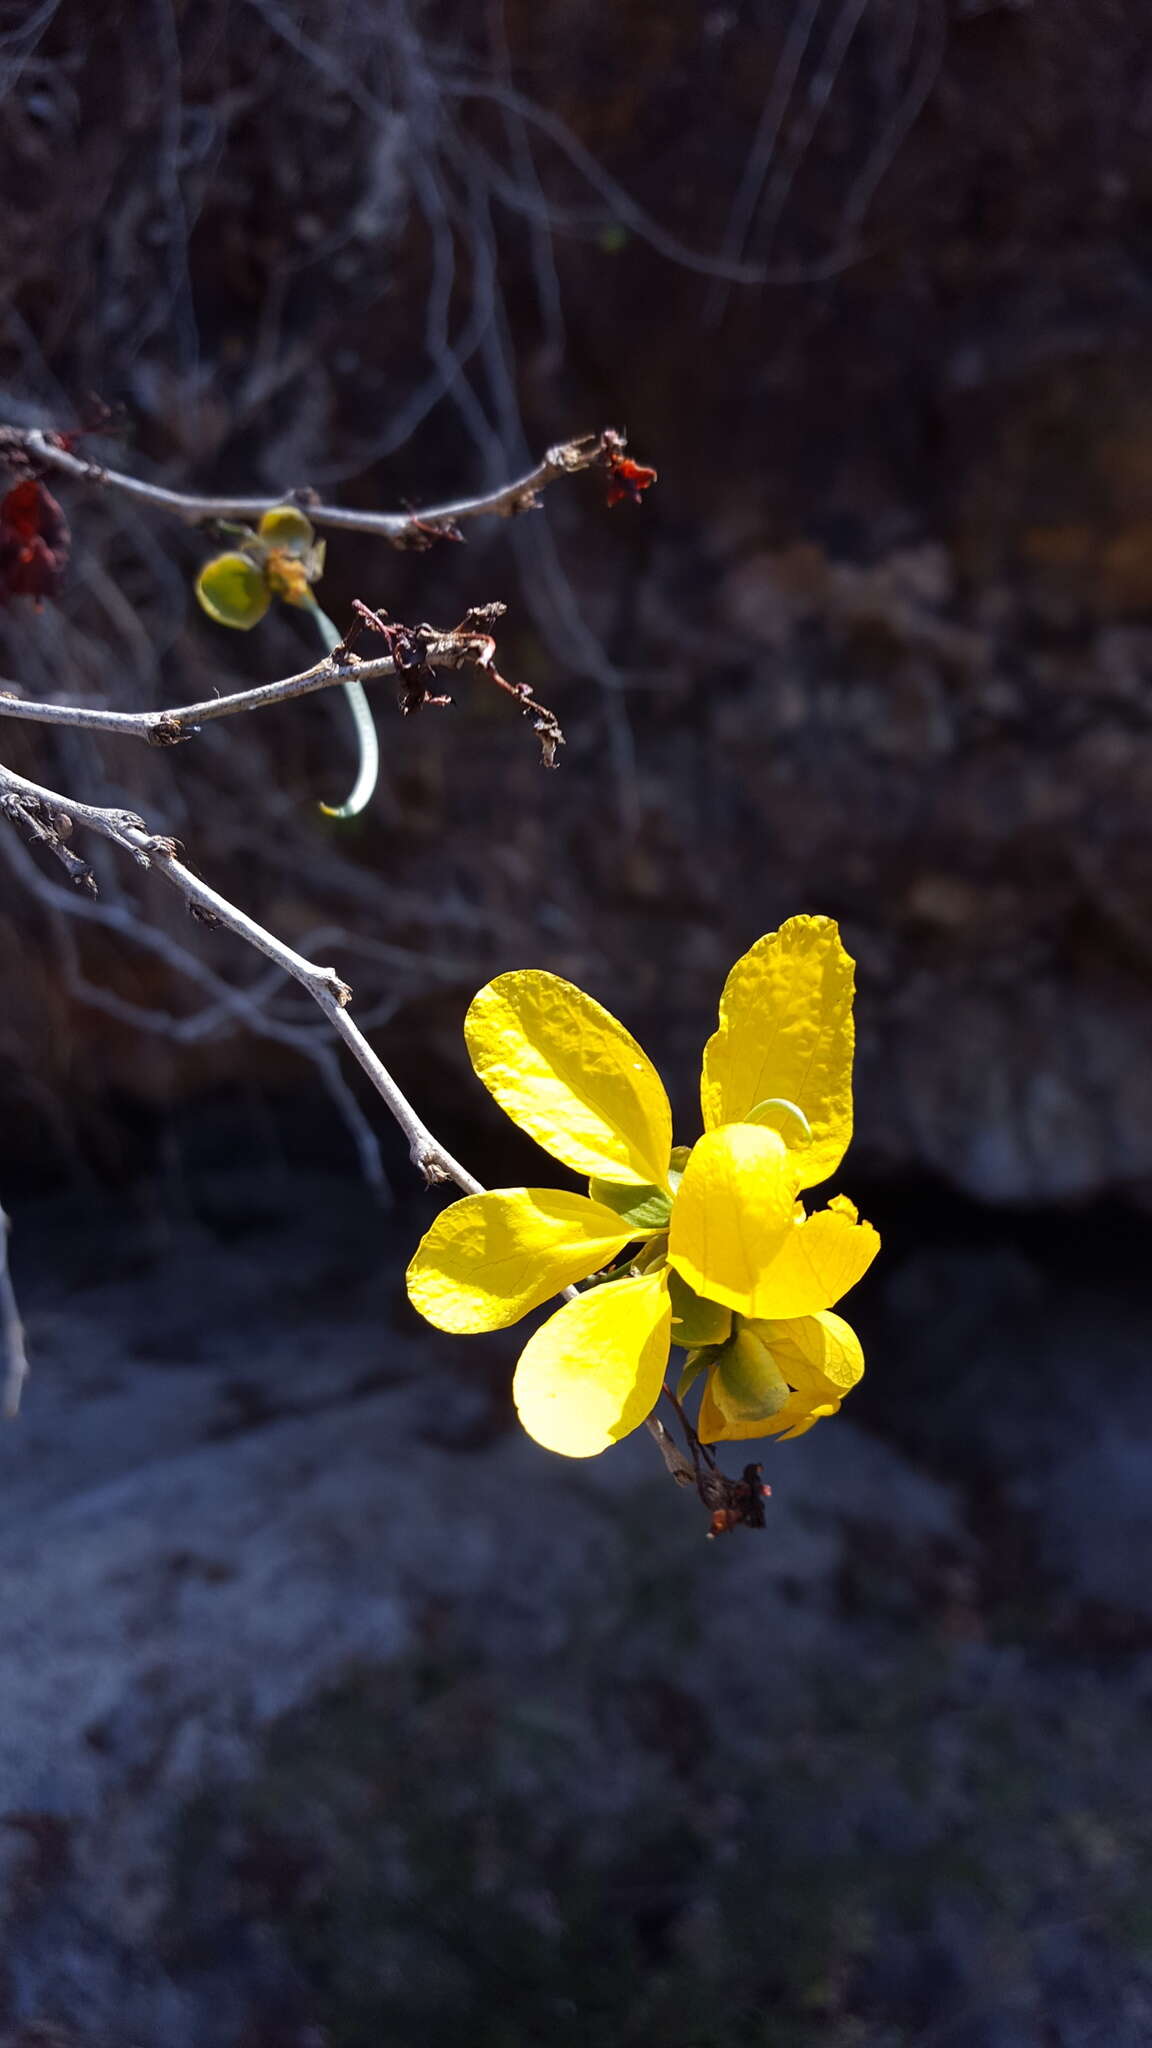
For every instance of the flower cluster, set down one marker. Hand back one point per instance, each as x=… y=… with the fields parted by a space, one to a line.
x=709 y=1247
x=282 y=558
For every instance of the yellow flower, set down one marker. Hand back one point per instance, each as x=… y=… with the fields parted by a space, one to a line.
x=728 y=1263
x=283 y=558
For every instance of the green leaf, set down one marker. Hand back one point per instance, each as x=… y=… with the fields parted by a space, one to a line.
x=695 y=1320
x=232 y=590
x=695 y=1363
x=646 y=1208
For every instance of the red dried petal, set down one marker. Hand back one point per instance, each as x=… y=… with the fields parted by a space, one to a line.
x=627 y=479
x=34 y=543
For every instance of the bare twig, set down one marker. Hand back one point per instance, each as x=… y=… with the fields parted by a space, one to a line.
x=13 y=1354
x=432 y=649
x=323 y=984
x=400 y=529
x=678 y=1465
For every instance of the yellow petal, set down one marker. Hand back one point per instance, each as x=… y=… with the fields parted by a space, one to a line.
x=572 y=1077
x=490 y=1258
x=821 y=1258
x=287 y=527
x=804 y=1420
x=819 y=1355
x=820 y=1359
x=786 y=1032
x=232 y=590
x=594 y=1370
x=732 y=1213
x=715 y=1426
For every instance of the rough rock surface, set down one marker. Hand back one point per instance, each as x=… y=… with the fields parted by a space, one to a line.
x=335 y=1712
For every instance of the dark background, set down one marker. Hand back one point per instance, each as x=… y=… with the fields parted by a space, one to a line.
x=338 y=1713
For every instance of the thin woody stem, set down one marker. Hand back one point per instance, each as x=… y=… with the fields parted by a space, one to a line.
x=462 y=648
x=47 y=807
x=166 y=728
x=367 y=741
x=13 y=1354
x=699 y=1450
x=401 y=529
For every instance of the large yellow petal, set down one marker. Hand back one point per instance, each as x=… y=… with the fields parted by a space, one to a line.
x=786 y=1032
x=732 y=1213
x=490 y=1258
x=820 y=1259
x=571 y=1076
x=818 y=1357
x=594 y=1370
x=799 y=1413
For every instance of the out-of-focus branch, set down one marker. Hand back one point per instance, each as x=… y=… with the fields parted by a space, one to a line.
x=49 y=817
x=399 y=529
x=425 y=648
x=13 y=1356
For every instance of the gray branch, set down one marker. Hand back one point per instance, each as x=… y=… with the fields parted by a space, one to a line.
x=401 y=529
x=29 y=800
x=462 y=648
x=13 y=1355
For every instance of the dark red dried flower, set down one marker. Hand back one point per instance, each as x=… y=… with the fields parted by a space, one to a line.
x=627 y=479
x=34 y=543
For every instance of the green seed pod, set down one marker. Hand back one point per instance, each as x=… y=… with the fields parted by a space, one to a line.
x=232 y=590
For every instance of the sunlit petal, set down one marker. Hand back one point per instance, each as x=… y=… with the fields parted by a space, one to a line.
x=778 y=1378
x=571 y=1076
x=786 y=1032
x=490 y=1258
x=594 y=1370
x=820 y=1355
x=819 y=1260
x=732 y=1213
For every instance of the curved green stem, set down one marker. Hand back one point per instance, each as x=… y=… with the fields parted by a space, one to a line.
x=368 y=767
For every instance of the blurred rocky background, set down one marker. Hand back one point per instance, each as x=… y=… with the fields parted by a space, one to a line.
x=334 y=1712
